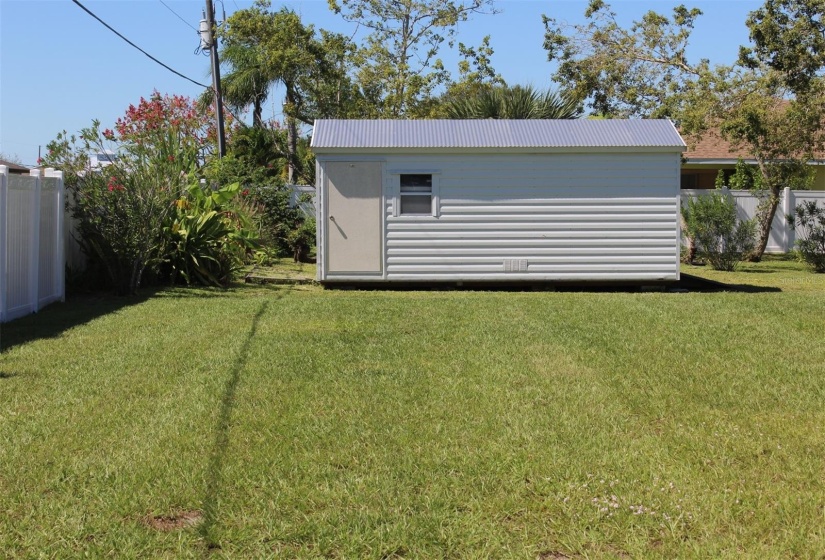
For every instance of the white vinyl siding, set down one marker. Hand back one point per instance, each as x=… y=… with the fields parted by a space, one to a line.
x=588 y=216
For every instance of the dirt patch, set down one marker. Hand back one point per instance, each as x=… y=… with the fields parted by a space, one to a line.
x=553 y=555
x=176 y=521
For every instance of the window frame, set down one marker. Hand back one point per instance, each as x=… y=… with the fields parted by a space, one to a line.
x=435 y=197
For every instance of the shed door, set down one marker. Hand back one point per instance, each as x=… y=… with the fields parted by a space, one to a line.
x=353 y=216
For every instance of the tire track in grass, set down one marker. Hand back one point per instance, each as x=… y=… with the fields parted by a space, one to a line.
x=218 y=456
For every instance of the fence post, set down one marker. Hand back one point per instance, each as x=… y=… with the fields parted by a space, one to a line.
x=4 y=205
x=60 y=268
x=34 y=256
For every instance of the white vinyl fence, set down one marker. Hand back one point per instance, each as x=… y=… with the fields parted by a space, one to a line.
x=305 y=206
x=32 y=237
x=782 y=235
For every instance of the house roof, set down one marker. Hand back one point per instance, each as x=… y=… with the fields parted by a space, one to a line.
x=14 y=167
x=494 y=134
x=712 y=148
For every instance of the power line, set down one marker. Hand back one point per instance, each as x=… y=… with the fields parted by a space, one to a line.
x=179 y=16
x=113 y=30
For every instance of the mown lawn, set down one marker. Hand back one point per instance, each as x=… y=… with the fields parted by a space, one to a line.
x=298 y=422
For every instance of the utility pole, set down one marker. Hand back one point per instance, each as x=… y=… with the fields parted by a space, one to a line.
x=216 y=76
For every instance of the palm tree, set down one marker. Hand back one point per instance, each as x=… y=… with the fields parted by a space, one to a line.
x=244 y=85
x=516 y=102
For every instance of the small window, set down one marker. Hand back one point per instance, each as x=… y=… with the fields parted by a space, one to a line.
x=416 y=195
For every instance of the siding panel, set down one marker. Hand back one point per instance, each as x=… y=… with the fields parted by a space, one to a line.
x=570 y=216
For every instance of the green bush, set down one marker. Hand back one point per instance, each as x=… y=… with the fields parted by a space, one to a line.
x=281 y=223
x=719 y=238
x=123 y=210
x=302 y=239
x=208 y=238
x=808 y=221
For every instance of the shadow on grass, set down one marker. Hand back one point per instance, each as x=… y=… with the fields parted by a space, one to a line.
x=214 y=473
x=688 y=282
x=700 y=284
x=53 y=320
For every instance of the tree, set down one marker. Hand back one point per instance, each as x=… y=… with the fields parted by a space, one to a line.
x=11 y=158
x=475 y=73
x=781 y=119
x=780 y=134
x=266 y=49
x=789 y=37
x=398 y=65
x=516 y=102
x=641 y=71
x=246 y=83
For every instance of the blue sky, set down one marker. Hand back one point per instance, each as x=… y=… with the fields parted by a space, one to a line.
x=59 y=68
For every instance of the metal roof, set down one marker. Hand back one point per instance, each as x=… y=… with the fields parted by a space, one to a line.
x=494 y=133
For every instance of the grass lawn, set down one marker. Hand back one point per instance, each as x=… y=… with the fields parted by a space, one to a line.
x=301 y=422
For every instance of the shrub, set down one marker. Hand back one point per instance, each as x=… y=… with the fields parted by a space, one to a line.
x=132 y=216
x=808 y=221
x=208 y=239
x=302 y=239
x=720 y=239
x=280 y=220
x=118 y=211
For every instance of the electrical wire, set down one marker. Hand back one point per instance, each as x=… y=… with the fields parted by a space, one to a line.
x=179 y=16
x=113 y=30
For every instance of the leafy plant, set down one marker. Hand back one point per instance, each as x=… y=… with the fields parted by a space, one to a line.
x=120 y=209
x=301 y=239
x=279 y=217
x=745 y=177
x=719 y=237
x=208 y=241
x=808 y=221
x=516 y=102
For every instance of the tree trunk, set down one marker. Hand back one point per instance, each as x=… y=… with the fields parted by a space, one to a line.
x=257 y=113
x=290 y=113
x=292 y=148
x=765 y=224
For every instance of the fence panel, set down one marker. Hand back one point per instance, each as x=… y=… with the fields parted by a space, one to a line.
x=51 y=265
x=21 y=261
x=31 y=242
x=746 y=207
x=798 y=197
x=782 y=235
x=305 y=206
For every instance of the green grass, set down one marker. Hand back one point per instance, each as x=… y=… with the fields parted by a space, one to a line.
x=286 y=269
x=299 y=422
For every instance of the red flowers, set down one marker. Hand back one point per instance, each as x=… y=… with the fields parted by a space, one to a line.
x=109 y=134
x=114 y=185
x=171 y=121
x=245 y=192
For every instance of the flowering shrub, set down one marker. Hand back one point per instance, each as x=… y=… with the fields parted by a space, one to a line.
x=122 y=210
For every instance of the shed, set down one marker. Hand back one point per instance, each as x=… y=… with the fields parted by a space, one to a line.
x=497 y=200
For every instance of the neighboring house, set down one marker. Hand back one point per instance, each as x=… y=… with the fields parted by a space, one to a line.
x=497 y=200
x=15 y=168
x=101 y=160
x=710 y=153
